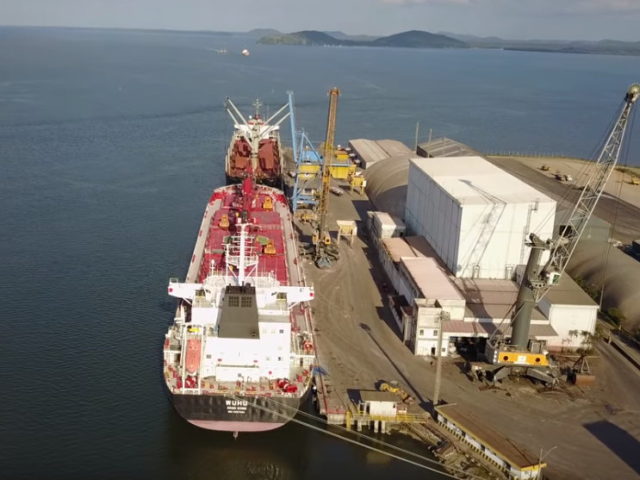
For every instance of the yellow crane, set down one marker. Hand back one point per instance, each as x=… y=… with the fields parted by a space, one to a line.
x=325 y=251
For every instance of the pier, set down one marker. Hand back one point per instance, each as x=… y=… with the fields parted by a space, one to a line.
x=359 y=344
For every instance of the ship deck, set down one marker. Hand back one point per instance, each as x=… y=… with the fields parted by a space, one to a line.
x=264 y=387
x=267 y=230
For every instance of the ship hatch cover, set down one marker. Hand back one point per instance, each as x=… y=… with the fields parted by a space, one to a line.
x=239 y=318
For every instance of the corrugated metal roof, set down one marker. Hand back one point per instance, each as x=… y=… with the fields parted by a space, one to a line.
x=535 y=329
x=486 y=329
x=394 y=148
x=468 y=421
x=488 y=298
x=387 y=184
x=474 y=180
x=480 y=290
x=591 y=259
x=398 y=248
x=445 y=147
x=368 y=150
x=496 y=311
x=567 y=292
x=433 y=281
x=460 y=326
x=422 y=246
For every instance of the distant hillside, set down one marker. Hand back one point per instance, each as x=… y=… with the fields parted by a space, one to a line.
x=356 y=38
x=418 y=39
x=604 y=47
x=306 y=37
x=263 y=32
x=413 y=38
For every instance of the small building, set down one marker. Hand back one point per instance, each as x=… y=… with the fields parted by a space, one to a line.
x=379 y=404
x=434 y=297
x=475 y=215
x=426 y=297
x=514 y=460
x=572 y=314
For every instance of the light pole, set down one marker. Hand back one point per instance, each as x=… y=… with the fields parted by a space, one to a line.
x=541 y=457
x=436 y=388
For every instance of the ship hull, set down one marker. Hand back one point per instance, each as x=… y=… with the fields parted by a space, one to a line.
x=236 y=413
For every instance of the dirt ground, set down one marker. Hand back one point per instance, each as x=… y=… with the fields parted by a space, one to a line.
x=583 y=433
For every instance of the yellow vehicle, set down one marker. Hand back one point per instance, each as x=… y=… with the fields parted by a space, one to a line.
x=388 y=387
x=393 y=387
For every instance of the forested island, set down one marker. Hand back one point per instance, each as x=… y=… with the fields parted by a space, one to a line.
x=423 y=39
x=412 y=38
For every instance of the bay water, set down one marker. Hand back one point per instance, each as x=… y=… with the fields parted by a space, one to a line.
x=110 y=144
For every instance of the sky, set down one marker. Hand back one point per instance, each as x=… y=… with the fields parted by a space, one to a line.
x=512 y=19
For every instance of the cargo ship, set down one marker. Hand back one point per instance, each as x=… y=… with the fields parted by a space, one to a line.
x=255 y=145
x=239 y=354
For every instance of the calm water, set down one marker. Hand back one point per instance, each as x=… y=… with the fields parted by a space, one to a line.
x=110 y=143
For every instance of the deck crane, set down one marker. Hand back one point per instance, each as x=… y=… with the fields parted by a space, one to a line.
x=325 y=251
x=256 y=129
x=523 y=354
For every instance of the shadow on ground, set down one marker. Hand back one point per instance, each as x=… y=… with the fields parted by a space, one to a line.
x=618 y=440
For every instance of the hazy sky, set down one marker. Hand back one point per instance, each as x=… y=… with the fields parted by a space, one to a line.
x=554 y=19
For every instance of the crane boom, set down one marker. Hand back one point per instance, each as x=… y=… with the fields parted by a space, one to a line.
x=537 y=281
x=562 y=249
x=329 y=153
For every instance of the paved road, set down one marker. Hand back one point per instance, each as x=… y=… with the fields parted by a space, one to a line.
x=624 y=216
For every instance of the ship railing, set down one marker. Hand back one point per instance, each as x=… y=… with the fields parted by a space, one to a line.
x=263 y=389
x=398 y=418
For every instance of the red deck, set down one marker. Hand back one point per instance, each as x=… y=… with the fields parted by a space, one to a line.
x=266 y=228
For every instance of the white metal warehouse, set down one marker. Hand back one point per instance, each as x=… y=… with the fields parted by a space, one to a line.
x=475 y=215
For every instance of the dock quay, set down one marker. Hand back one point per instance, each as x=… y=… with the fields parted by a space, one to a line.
x=358 y=346
x=359 y=343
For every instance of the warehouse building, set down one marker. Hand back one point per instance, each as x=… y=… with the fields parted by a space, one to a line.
x=425 y=296
x=471 y=219
x=475 y=215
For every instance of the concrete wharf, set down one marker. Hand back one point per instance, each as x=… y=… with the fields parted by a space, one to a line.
x=359 y=344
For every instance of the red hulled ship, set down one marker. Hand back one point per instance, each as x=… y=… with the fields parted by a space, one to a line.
x=239 y=354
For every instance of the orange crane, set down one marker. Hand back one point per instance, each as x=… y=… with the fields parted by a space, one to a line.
x=325 y=251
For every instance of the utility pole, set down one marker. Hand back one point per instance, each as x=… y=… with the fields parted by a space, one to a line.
x=436 y=388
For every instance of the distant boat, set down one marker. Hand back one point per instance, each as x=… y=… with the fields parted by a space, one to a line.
x=246 y=52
